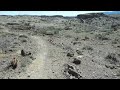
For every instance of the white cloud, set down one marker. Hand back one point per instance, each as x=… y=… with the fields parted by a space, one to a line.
x=64 y=13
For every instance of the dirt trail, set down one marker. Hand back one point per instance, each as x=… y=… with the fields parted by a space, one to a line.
x=36 y=69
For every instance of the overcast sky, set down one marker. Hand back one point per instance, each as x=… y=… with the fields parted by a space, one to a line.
x=64 y=13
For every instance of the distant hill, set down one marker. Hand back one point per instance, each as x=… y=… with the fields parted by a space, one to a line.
x=111 y=13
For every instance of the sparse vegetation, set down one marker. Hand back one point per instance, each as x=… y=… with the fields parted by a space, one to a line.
x=68 y=36
x=68 y=28
x=46 y=43
x=87 y=48
x=78 y=31
x=49 y=31
x=111 y=57
x=76 y=42
x=115 y=27
x=86 y=38
x=101 y=37
x=115 y=41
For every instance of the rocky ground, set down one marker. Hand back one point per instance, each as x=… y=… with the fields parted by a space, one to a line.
x=57 y=47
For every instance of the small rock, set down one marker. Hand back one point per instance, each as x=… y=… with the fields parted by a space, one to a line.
x=70 y=54
x=79 y=52
x=24 y=41
x=68 y=66
x=28 y=76
x=118 y=46
x=76 y=61
x=32 y=58
x=11 y=50
x=23 y=53
x=111 y=67
x=72 y=74
x=14 y=64
x=29 y=53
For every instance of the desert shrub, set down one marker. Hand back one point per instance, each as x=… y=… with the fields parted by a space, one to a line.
x=68 y=36
x=111 y=67
x=23 y=65
x=20 y=26
x=87 y=48
x=86 y=38
x=27 y=24
x=115 y=41
x=78 y=31
x=119 y=55
x=56 y=31
x=115 y=27
x=49 y=32
x=76 y=42
x=12 y=23
x=118 y=73
x=108 y=32
x=76 y=38
x=101 y=37
x=111 y=57
x=69 y=48
x=67 y=28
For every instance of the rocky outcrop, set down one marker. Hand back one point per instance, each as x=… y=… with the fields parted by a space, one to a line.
x=71 y=73
x=90 y=15
x=57 y=16
x=45 y=16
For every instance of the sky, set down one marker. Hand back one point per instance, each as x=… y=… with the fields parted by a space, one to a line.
x=49 y=13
